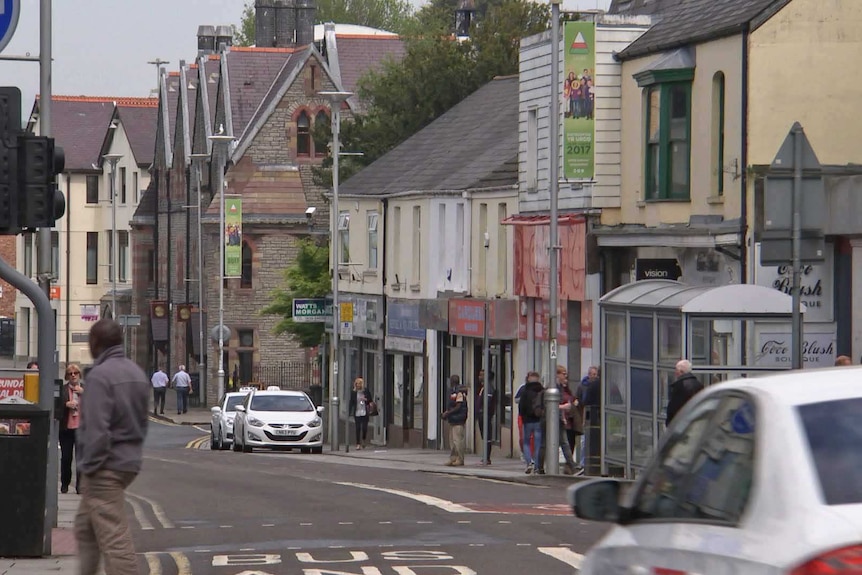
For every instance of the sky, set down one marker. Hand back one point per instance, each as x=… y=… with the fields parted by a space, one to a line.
x=101 y=47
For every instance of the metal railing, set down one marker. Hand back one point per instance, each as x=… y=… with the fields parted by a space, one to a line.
x=287 y=375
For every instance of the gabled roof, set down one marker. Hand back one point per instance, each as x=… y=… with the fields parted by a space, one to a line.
x=251 y=72
x=683 y=22
x=140 y=124
x=360 y=54
x=471 y=146
x=79 y=125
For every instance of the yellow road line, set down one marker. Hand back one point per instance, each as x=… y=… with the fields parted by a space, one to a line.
x=160 y=514
x=163 y=422
x=197 y=442
x=184 y=566
x=153 y=563
x=138 y=512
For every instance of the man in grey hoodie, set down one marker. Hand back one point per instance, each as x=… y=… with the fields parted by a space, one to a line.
x=110 y=451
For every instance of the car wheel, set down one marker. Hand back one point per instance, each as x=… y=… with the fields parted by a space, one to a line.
x=317 y=450
x=213 y=444
x=246 y=448
x=236 y=445
x=305 y=450
x=222 y=442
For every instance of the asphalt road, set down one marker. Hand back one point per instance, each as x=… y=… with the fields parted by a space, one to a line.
x=200 y=511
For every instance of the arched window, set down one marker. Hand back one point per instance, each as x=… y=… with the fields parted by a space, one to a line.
x=245 y=278
x=321 y=131
x=303 y=134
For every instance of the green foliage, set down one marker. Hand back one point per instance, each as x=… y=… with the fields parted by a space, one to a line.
x=308 y=277
x=244 y=35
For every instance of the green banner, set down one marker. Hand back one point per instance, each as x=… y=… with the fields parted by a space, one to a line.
x=233 y=236
x=578 y=102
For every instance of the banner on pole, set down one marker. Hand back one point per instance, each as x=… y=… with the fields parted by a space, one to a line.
x=233 y=236
x=578 y=102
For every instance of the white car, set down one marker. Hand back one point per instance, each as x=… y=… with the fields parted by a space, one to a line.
x=221 y=424
x=757 y=476
x=278 y=419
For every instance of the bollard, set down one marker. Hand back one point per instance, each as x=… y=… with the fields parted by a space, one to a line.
x=333 y=424
x=552 y=430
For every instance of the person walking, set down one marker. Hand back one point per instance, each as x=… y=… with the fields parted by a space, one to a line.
x=682 y=389
x=588 y=395
x=70 y=420
x=183 y=384
x=456 y=415
x=481 y=388
x=160 y=389
x=531 y=409
x=110 y=441
x=568 y=413
x=360 y=397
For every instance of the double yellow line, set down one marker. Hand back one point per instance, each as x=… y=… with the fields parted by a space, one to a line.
x=184 y=566
x=198 y=443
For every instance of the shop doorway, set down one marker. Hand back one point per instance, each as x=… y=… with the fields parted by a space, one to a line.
x=500 y=377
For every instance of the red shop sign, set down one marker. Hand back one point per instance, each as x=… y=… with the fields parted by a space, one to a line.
x=466 y=317
x=532 y=257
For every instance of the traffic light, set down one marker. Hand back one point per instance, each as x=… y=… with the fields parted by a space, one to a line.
x=40 y=202
x=10 y=128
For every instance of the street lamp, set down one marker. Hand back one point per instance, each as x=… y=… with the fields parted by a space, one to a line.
x=113 y=159
x=199 y=160
x=222 y=142
x=335 y=99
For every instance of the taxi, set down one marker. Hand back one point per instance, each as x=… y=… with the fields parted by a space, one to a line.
x=278 y=419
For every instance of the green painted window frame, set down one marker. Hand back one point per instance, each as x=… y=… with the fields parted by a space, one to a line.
x=664 y=81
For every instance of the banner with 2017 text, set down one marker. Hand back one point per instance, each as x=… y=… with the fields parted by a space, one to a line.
x=578 y=101
x=233 y=236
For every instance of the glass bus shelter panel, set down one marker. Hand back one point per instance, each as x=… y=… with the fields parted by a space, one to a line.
x=739 y=343
x=643 y=440
x=641 y=336
x=616 y=437
x=615 y=336
x=615 y=385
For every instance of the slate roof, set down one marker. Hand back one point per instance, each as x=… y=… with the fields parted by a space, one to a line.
x=470 y=146
x=212 y=71
x=251 y=72
x=79 y=125
x=290 y=66
x=359 y=54
x=682 y=22
x=172 y=82
x=140 y=122
x=146 y=210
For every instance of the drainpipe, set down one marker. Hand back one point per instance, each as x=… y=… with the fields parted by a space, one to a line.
x=382 y=379
x=68 y=265
x=743 y=256
x=154 y=352
x=168 y=275
x=188 y=265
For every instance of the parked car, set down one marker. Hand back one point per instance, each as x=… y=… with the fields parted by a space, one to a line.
x=278 y=419
x=757 y=476
x=221 y=424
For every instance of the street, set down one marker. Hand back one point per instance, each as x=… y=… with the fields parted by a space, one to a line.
x=199 y=511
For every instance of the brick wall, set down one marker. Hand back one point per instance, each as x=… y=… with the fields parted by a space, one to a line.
x=7 y=301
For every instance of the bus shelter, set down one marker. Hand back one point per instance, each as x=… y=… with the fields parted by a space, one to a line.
x=649 y=325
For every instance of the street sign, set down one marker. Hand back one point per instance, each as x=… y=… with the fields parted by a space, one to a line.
x=347 y=311
x=347 y=330
x=784 y=159
x=9 y=12
x=129 y=320
x=775 y=248
x=778 y=203
x=311 y=310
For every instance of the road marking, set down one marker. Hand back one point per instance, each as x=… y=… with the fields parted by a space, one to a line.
x=567 y=556
x=184 y=566
x=247 y=549
x=524 y=544
x=429 y=500
x=187 y=527
x=505 y=522
x=268 y=525
x=384 y=522
x=160 y=514
x=424 y=522
x=201 y=429
x=203 y=550
x=305 y=524
x=345 y=522
x=225 y=526
x=153 y=563
x=138 y=512
x=464 y=522
x=163 y=422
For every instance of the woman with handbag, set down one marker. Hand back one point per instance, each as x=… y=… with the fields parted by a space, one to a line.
x=70 y=396
x=361 y=407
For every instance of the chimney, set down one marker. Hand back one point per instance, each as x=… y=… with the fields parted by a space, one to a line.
x=206 y=39
x=223 y=37
x=306 y=13
x=264 y=23
x=285 y=23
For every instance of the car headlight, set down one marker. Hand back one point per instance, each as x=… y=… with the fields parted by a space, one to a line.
x=255 y=422
x=315 y=422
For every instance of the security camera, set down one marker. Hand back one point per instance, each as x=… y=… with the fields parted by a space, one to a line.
x=310 y=212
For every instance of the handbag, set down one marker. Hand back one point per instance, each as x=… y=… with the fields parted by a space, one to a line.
x=371 y=409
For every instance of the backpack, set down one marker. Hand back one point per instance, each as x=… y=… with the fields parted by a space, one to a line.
x=538 y=404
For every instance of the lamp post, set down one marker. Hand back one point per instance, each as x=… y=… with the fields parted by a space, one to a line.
x=222 y=142
x=335 y=99
x=113 y=159
x=197 y=161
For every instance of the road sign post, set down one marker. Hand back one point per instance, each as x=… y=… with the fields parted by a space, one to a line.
x=794 y=215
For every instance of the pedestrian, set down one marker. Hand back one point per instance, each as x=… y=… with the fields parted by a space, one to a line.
x=568 y=412
x=684 y=387
x=33 y=365
x=518 y=394
x=360 y=397
x=843 y=360
x=160 y=389
x=480 y=410
x=456 y=415
x=183 y=384
x=113 y=426
x=531 y=409
x=589 y=397
x=70 y=420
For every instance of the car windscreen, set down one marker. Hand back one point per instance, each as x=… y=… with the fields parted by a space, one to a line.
x=281 y=403
x=834 y=431
x=233 y=401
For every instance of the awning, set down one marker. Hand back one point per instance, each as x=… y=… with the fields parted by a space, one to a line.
x=562 y=220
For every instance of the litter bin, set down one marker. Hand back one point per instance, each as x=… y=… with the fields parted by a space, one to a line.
x=24 y=430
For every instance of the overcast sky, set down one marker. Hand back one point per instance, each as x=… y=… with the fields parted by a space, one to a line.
x=101 y=47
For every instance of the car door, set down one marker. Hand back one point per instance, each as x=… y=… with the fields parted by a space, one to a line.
x=685 y=515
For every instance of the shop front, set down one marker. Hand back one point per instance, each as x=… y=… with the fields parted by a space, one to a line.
x=405 y=374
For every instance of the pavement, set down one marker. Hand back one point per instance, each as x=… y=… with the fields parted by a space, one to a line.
x=64 y=549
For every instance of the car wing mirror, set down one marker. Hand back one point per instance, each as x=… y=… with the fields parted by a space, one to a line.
x=240 y=408
x=216 y=410
x=596 y=500
x=320 y=409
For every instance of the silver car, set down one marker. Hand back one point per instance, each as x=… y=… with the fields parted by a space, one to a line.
x=221 y=424
x=278 y=419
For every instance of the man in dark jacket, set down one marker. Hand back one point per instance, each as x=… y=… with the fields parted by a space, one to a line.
x=530 y=408
x=110 y=451
x=684 y=387
x=456 y=416
x=481 y=389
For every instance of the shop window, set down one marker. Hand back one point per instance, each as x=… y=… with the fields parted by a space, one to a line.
x=245 y=276
x=303 y=134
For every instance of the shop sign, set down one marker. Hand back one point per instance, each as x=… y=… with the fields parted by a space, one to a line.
x=405 y=345
x=90 y=312
x=11 y=386
x=532 y=261
x=657 y=269
x=816 y=286
x=434 y=314
x=774 y=349
x=366 y=318
x=467 y=317
x=402 y=320
x=311 y=310
x=587 y=325
x=541 y=313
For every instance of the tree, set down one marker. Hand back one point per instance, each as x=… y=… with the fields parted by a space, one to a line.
x=308 y=277
x=244 y=35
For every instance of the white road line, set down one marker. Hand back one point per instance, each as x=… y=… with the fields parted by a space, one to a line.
x=187 y=527
x=184 y=566
x=567 y=556
x=524 y=544
x=505 y=522
x=201 y=429
x=160 y=514
x=384 y=523
x=345 y=522
x=268 y=525
x=306 y=524
x=225 y=526
x=138 y=512
x=153 y=563
x=464 y=522
x=203 y=551
x=247 y=549
x=424 y=522
x=429 y=500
